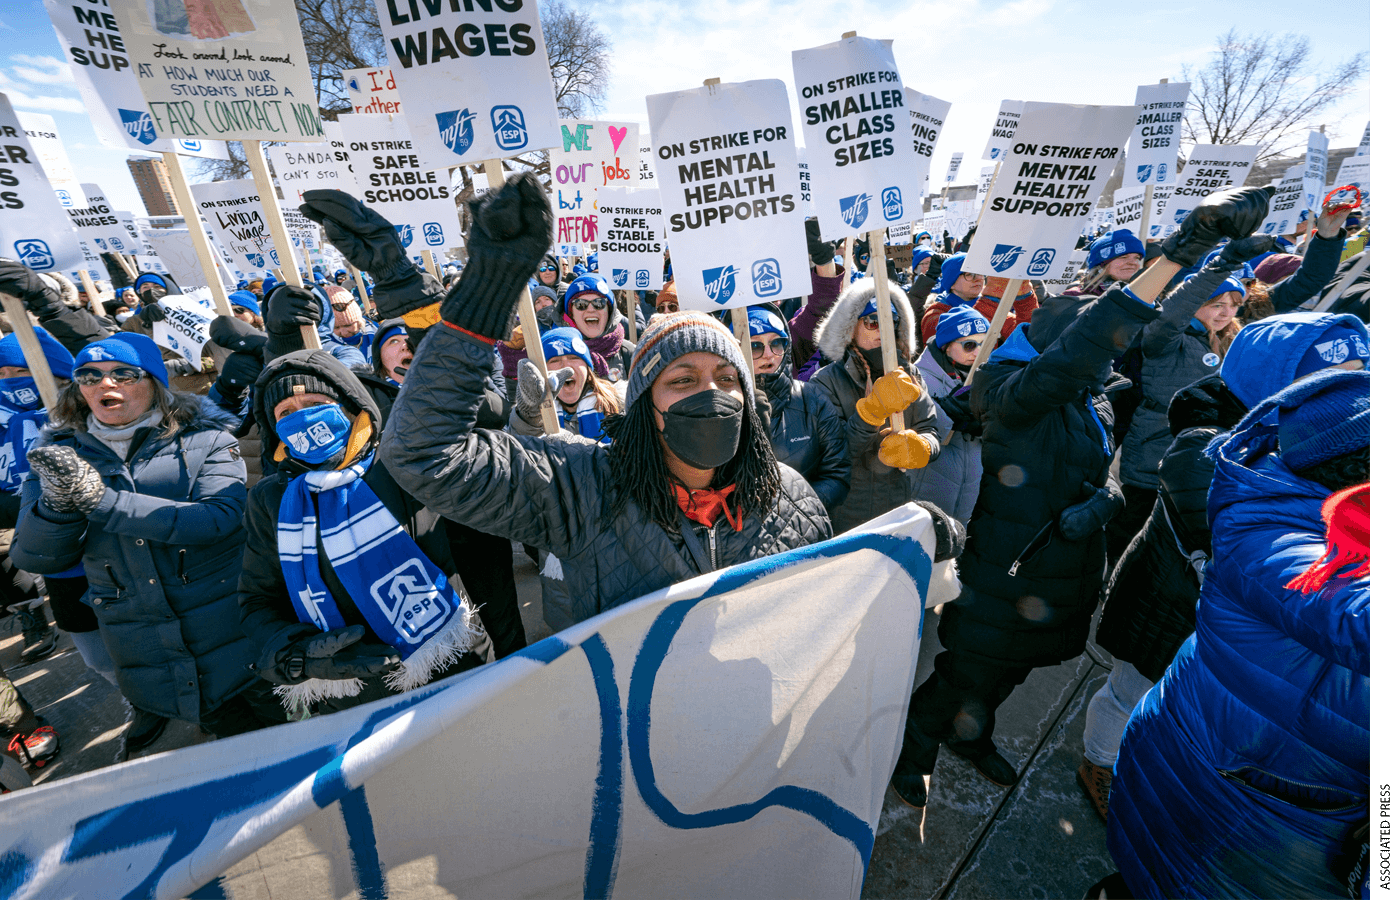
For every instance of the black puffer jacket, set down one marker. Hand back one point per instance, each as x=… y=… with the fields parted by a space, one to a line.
x=553 y=494
x=1048 y=422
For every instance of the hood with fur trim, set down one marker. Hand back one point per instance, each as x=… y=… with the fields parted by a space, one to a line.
x=837 y=329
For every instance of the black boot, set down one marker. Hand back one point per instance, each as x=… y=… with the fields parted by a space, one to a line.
x=908 y=782
x=143 y=730
x=40 y=637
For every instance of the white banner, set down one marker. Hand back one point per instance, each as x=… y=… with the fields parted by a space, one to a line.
x=176 y=252
x=53 y=158
x=396 y=182
x=1315 y=169
x=185 y=328
x=631 y=228
x=235 y=213
x=727 y=169
x=97 y=223
x=1156 y=136
x=1008 y=118
x=448 y=55
x=372 y=92
x=1288 y=204
x=231 y=70
x=1050 y=181
x=927 y=115
x=1211 y=168
x=1355 y=170
x=305 y=167
x=984 y=184
x=593 y=155
x=732 y=735
x=35 y=229
x=860 y=143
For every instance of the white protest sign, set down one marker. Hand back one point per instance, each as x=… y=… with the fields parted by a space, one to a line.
x=151 y=263
x=304 y=232
x=1156 y=136
x=1063 y=274
x=372 y=91
x=1127 y=207
x=53 y=158
x=1287 y=204
x=954 y=164
x=1315 y=169
x=448 y=55
x=727 y=169
x=1211 y=168
x=1355 y=170
x=1364 y=148
x=35 y=229
x=139 y=245
x=305 y=167
x=235 y=213
x=176 y=252
x=984 y=183
x=1008 y=117
x=859 y=139
x=959 y=218
x=185 y=328
x=631 y=229
x=98 y=224
x=804 y=178
x=1050 y=180
x=927 y=115
x=899 y=234
x=646 y=165
x=91 y=262
x=232 y=70
x=593 y=155
x=396 y=182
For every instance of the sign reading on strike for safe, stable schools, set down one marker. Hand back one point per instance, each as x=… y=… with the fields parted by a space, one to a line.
x=53 y=158
x=1211 y=168
x=860 y=144
x=395 y=181
x=34 y=228
x=1050 y=181
x=235 y=213
x=185 y=328
x=726 y=164
x=631 y=235
x=372 y=92
x=1008 y=118
x=1157 y=133
x=594 y=155
x=234 y=70
x=473 y=78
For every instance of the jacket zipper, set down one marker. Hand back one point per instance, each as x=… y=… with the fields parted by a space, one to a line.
x=714 y=552
x=1031 y=549
x=184 y=579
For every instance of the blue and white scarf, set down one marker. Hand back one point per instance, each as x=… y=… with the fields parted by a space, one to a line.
x=404 y=597
x=20 y=422
x=587 y=417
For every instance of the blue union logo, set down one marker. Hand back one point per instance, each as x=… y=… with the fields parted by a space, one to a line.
x=1004 y=256
x=432 y=234
x=1144 y=173
x=643 y=278
x=854 y=209
x=405 y=234
x=767 y=278
x=35 y=253
x=455 y=129
x=508 y=124
x=138 y=124
x=893 y=204
x=619 y=277
x=1040 y=262
x=719 y=283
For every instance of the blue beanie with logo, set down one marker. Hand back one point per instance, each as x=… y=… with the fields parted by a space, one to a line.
x=959 y=322
x=765 y=321
x=586 y=283
x=60 y=360
x=1113 y=245
x=130 y=348
x=1323 y=417
x=565 y=342
x=1337 y=345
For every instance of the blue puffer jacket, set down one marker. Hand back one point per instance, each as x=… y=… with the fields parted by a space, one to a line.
x=1245 y=767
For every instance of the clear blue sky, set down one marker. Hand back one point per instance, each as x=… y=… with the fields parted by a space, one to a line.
x=968 y=52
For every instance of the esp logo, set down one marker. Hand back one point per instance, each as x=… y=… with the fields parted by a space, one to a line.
x=1040 y=262
x=410 y=600
x=643 y=279
x=508 y=125
x=892 y=202
x=432 y=234
x=767 y=278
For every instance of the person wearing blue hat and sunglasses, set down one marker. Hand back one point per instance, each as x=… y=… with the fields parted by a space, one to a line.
x=588 y=305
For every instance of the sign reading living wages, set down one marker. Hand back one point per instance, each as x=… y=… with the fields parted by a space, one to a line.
x=473 y=77
x=726 y=164
x=1051 y=179
x=631 y=228
x=34 y=228
x=860 y=143
x=97 y=223
x=926 y=117
x=234 y=212
x=395 y=181
x=1008 y=118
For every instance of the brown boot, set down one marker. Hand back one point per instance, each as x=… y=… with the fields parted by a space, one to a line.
x=1097 y=782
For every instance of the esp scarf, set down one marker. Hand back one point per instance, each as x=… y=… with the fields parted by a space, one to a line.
x=21 y=417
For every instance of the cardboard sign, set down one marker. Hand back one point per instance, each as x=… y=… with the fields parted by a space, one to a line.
x=372 y=91
x=97 y=223
x=305 y=167
x=1315 y=169
x=185 y=328
x=593 y=155
x=394 y=180
x=53 y=158
x=34 y=228
x=727 y=169
x=1211 y=168
x=631 y=231
x=927 y=114
x=234 y=211
x=1050 y=181
x=1156 y=136
x=461 y=68
x=860 y=143
x=1288 y=203
x=232 y=70
x=1008 y=118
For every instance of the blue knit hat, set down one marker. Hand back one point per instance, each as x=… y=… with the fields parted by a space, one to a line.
x=244 y=299
x=959 y=322
x=130 y=348
x=589 y=282
x=871 y=308
x=1113 y=245
x=1335 y=346
x=60 y=360
x=765 y=321
x=146 y=278
x=592 y=262
x=565 y=342
x=1323 y=417
x=920 y=254
x=952 y=268
x=1226 y=286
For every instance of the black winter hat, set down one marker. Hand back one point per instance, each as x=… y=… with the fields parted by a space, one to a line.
x=294 y=383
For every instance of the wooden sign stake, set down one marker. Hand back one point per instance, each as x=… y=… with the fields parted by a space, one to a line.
x=184 y=202
x=889 y=349
x=262 y=177
x=34 y=358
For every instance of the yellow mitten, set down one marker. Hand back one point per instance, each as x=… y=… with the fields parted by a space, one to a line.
x=891 y=393
x=905 y=450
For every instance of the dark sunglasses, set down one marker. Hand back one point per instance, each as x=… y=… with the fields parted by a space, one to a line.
x=778 y=345
x=970 y=346
x=121 y=376
x=548 y=269
x=584 y=303
x=872 y=321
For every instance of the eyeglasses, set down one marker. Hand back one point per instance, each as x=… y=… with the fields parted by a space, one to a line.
x=121 y=376
x=669 y=308
x=548 y=269
x=970 y=346
x=585 y=303
x=872 y=321
x=778 y=346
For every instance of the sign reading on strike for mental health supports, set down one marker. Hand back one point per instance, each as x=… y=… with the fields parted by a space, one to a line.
x=235 y=214
x=53 y=158
x=232 y=70
x=1008 y=118
x=926 y=117
x=1156 y=135
x=1211 y=168
x=474 y=78
x=1050 y=181
x=593 y=155
x=631 y=231
x=34 y=228
x=395 y=181
x=726 y=164
x=372 y=91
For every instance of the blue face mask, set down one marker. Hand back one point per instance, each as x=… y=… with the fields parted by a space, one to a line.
x=315 y=434
x=20 y=393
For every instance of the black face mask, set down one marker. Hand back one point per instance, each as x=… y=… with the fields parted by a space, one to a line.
x=875 y=359
x=703 y=429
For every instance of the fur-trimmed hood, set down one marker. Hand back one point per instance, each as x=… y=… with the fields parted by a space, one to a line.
x=837 y=329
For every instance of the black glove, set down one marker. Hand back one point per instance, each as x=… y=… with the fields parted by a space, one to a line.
x=512 y=227
x=949 y=531
x=820 y=251
x=367 y=239
x=958 y=406
x=333 y=655
x=240 y=371
x=289 y=308
x=151 y=313
x=1236 y=213
x=763 y=405
x=1084 y=518
x=1242 y=250
x=234 y=334
x=39 y=295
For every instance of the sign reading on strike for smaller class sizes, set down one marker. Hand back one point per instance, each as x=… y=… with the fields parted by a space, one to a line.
x=1156 y=135
x=53 y=158
x=726 y=164
x=631 y=235
x=1288 y=204
x=1050 y=181
x=859 y=138
x=394 y=180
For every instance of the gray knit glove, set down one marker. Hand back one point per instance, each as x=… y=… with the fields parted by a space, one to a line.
x=529 y=391
x=68 y=483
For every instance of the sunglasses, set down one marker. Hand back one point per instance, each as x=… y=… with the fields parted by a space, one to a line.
x=669 y=308
x=121 y=376
x=872 y=321
x=970 y=346
x=599 y=303
x=548 y=269
x=778 y=346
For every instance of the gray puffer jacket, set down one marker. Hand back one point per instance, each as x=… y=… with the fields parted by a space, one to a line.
x=554 y=494
x=951 y=481
x=163 y=553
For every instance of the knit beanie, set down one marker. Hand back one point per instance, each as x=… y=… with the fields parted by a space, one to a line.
x=130 y=348
x=952 y=268
x=303 y=382
x=666 y=294
x=244 y=299
x=1227 y=286
x=920 y=254
x=673 y=335
x=1276 y=267
x=1324 y=417
x=959 y=322
x=1337 y=344
x=60 y=360
x=764 y=321
x=565 y=342
x=1113 y=245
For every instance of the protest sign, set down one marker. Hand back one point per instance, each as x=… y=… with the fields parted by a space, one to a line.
x=52 y=157
x=395 y=181
x=984 y=184
x=304 y=232
x=1156 y=136
x=726 y=165
x=305 y=167
x=139 y=245
x=1008 y=118
x=899 y=234
x=234 y=70
x=1315 y=169
x=804 y=179
x=631 y=229
x=954 y=164
x=1364 y=148
x=91 y=266
x=593 y=155
x=35 y=229
x=372 y=91
x=152 y=263
x=860 y=142
x=1287 y=204
x=445 y=55
x=1355 y=170
x=97 y=223
x=959 y=218
x=1128 y=203
x=234 y=212
x=1063 y=274
x=185 y=328
x=927 y=114
x=1051 y=178
x=646 y=165
x=1210 y=168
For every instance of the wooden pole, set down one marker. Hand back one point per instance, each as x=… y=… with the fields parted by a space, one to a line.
x=847 y=264
x=281 y=241
x=34 y=357
x=632 y=315
x=1146 y=222
x=127 y=267
x=184 y=202
x=889 y=349
x=360 y=281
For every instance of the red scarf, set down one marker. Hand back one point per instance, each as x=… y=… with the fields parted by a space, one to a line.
x=1348 y=517
x=705 y=505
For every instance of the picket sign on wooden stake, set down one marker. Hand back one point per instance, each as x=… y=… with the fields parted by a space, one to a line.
x=739 y=315
x=534 y=347
x=1146 y=224
x=360 y=281
x=184 y=202
x=34 y=357
x=847 y=264
x=991 y=184
x=272 y=213
x=889 y=348
x=632 y=315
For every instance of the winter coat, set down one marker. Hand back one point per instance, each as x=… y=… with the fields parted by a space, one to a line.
x=556 y=494
x=1242 y=772
x=952 y=480
x=808 y=434
x=804 y=325
x=1047 y=421
x=875 y=487
x=163 y=552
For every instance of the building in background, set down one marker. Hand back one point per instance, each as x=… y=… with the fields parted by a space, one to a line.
x=153 y=181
